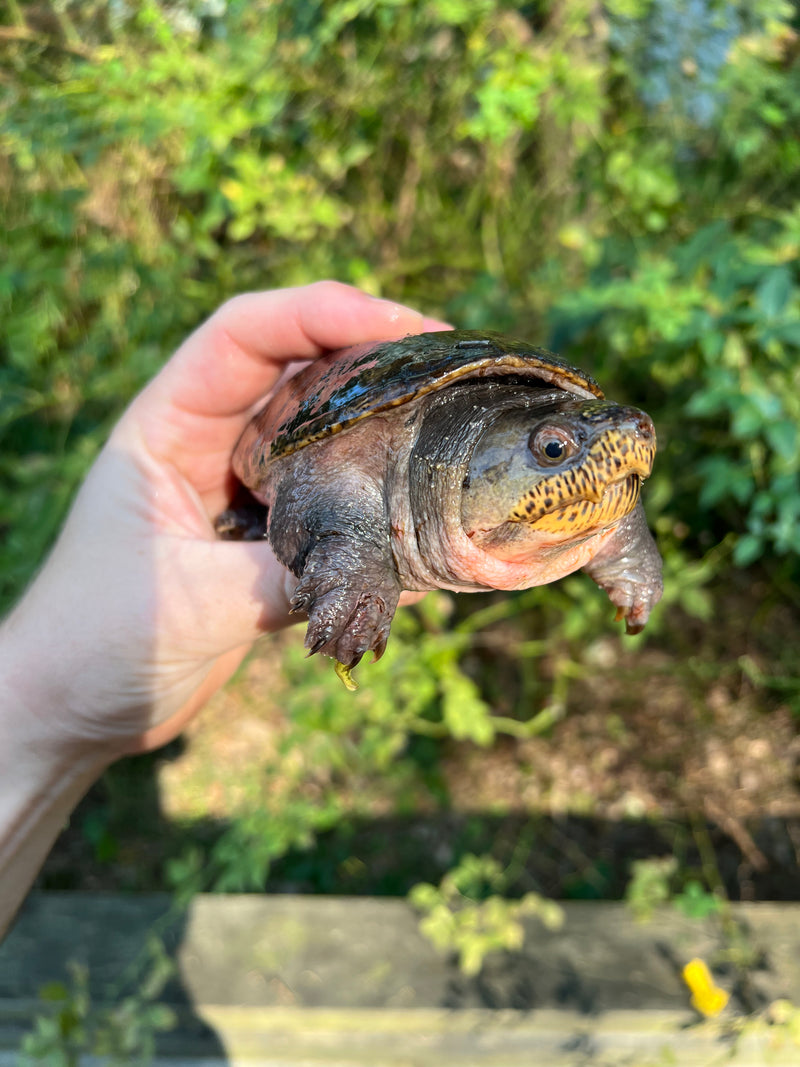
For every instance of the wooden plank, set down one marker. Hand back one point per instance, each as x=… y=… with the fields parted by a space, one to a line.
x=315 y=980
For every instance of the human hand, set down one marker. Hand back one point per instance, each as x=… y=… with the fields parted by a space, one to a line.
x=140 y=613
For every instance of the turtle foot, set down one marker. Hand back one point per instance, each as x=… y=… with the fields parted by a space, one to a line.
x=629 y=569
x=244 y=520
x=345 y=622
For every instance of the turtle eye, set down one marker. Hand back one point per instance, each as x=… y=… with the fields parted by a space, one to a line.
x=551 y=444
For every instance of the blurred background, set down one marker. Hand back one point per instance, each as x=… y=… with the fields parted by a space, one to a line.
x=617 y=181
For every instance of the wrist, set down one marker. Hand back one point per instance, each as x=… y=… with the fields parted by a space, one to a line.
x=38 y=728
x=43 y=771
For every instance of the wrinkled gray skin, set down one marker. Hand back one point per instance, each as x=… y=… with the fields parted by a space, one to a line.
x=381 y=507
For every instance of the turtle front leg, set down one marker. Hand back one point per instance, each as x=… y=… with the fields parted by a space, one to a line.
x=328 y=524
x=350 y=593
x=628 y=567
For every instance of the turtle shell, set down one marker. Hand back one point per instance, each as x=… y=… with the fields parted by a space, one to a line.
x=340 y=388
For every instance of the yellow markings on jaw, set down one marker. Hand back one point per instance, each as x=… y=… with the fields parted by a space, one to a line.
x=584 y=514
x=600 y=490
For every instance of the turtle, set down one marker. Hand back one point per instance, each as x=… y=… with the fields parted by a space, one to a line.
x=460 y=460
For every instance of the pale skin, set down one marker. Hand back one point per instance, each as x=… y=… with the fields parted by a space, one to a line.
x=140 y=614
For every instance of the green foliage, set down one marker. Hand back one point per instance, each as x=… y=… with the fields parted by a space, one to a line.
x=96 y=829
x=652 y=885
x=695 y=902
x=466 y=914
x=649 y=887
x=720 y=310
x=787 y=685
x=71 y=1026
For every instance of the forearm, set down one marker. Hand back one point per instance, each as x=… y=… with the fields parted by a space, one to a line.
x=42 y=778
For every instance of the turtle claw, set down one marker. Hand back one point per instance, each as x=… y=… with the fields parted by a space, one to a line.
x=623 y=614
x=346 y=623
x=299 y=603
x=631 y=611
x=317 y=646
x=632 y=608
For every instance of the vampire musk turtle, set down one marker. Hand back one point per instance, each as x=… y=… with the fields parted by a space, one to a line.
x=457 y=460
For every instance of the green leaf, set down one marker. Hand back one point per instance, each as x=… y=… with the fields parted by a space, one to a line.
x=773 y=292
x=466 y=716
x=783 y=438
x=748 y=548
x=695 y=902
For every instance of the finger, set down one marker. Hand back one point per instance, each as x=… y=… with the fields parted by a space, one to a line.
x=193 y=412
x=411 y=597
x=234 y=358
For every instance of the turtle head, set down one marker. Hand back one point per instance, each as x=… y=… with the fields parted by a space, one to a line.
x=555 y=475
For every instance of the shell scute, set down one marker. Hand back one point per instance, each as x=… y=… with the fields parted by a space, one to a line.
x=340 y=388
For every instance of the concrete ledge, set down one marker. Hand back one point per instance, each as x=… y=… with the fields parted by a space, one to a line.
x=286 y=981
x=290 y=1037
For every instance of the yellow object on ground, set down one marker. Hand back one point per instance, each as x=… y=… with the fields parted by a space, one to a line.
x=707 y=998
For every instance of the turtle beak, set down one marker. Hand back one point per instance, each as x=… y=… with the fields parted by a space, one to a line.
x=626 y=449
x=642 y=434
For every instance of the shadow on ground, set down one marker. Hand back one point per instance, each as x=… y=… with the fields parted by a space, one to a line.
x=119 y=839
